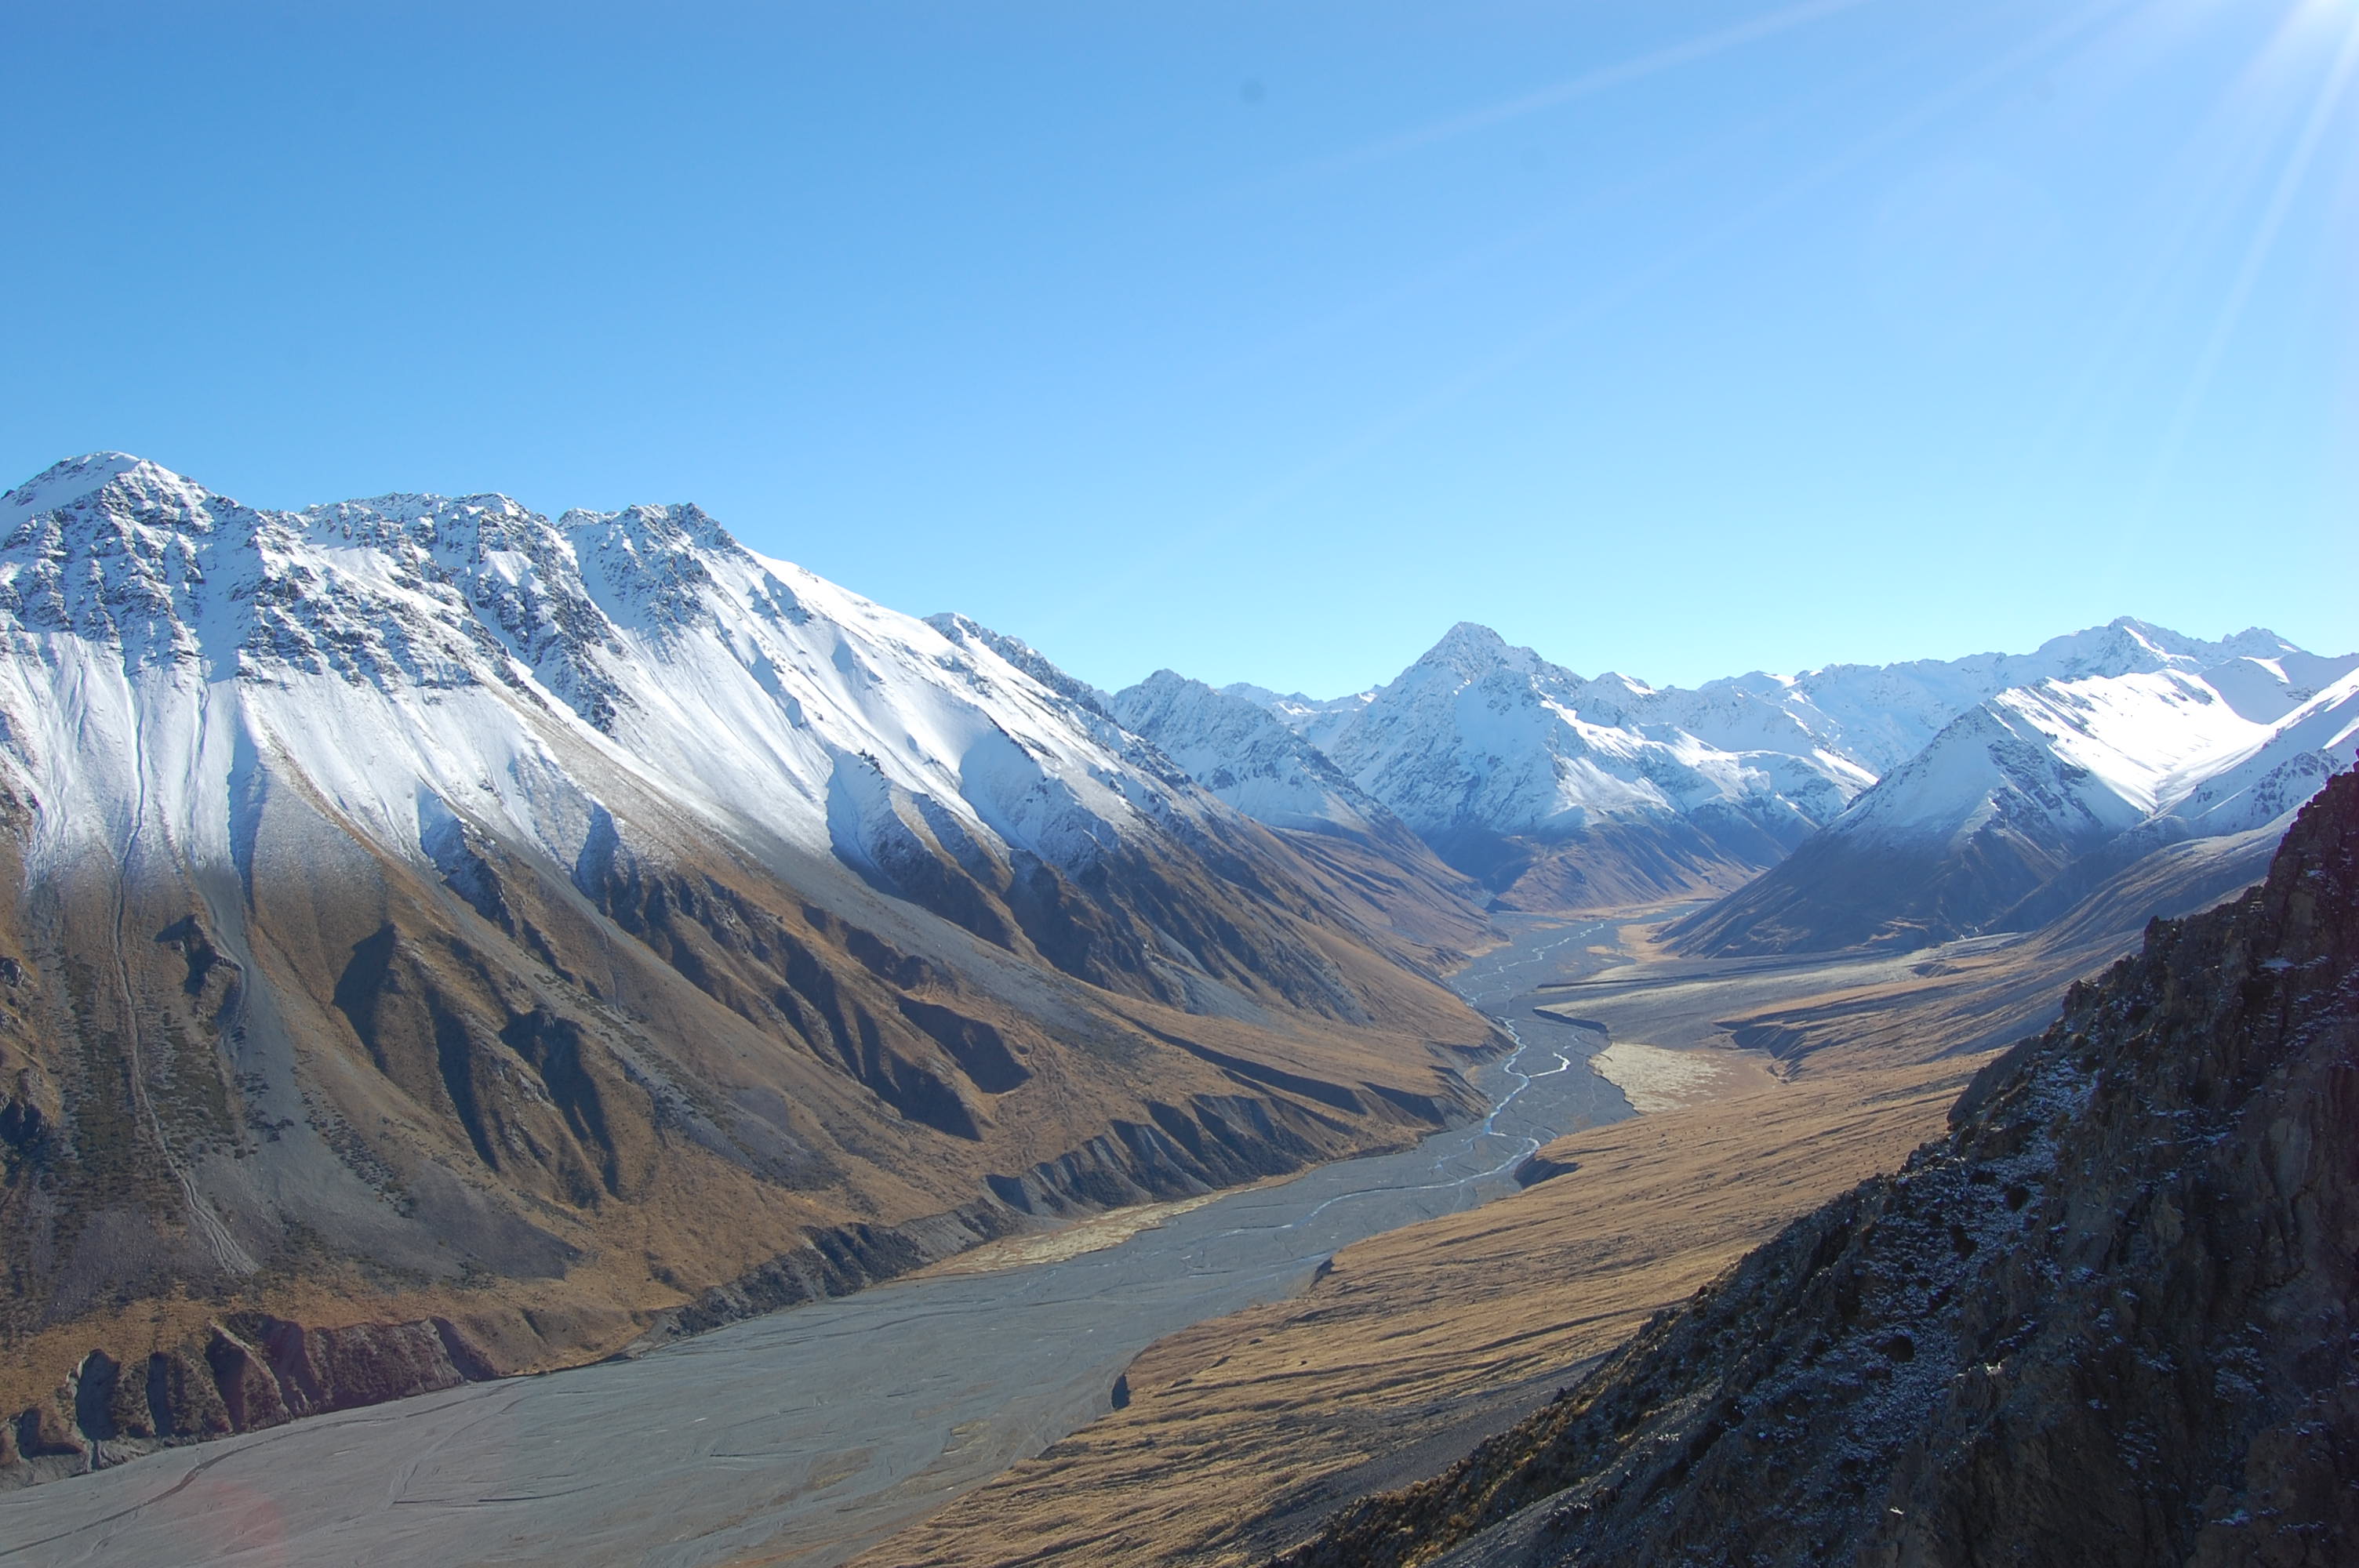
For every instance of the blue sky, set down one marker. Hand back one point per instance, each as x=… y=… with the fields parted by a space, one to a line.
x=1260 y=340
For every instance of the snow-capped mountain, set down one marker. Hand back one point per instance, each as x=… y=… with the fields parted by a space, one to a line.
x=422 y=890
x=1879 y=715
x=1316 y=721
x=411 y=650
x=1559 y=792
x=1249 y=758
x=1478 y=734
x=2046 y=784
x=2267 y=775
x=1563 y=791
x=1243 y=755
x=2074 y=761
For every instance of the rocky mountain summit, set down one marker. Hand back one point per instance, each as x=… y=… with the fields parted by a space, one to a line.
x=2108 y=1320
x=1490 y=753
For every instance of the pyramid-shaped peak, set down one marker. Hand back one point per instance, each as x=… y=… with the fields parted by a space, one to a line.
x=1470 y=634
x=2161 y=639
x=1168 y=679
x=1471 y=651
x=1468 y=649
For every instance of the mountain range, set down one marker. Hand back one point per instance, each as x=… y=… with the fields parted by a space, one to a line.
x=447 y=940
x=1898 y=804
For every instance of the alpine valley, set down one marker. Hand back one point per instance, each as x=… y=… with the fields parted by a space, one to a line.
x=446 y=942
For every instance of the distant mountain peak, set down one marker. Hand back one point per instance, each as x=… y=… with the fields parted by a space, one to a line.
x=1261 y=695
x=1469 y=647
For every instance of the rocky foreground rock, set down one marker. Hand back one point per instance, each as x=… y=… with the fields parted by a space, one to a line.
x=2107 y=1319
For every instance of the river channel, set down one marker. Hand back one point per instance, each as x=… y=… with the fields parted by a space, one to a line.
x=808 y=1435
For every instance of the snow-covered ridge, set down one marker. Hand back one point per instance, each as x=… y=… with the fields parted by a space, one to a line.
x=2278 y=771
x=1248 y=757
x=2212 y=748
x=2030 y=800
x=410 y=655
x=1506 y=762
x=411 y=659
x=1480 y=732
x=1316 y=721
x=1879 y=715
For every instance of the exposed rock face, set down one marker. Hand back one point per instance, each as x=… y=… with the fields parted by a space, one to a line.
x=247 y=1371
x=2109 y=1320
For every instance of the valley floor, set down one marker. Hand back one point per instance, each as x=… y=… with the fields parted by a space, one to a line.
x=894 y=1427
x=807 y=1435
x=1242 y=1433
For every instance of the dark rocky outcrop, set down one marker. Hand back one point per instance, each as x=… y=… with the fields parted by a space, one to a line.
x=249 y=1371
x=2108 y=1320
x=1540 y=1168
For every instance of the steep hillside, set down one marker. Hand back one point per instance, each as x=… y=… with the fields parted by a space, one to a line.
x=443 y=940
x=2107 y=1319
